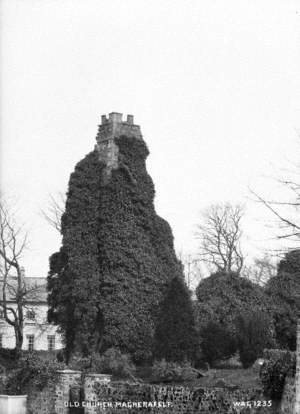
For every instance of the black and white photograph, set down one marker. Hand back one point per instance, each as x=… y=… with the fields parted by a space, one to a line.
x=150 y=207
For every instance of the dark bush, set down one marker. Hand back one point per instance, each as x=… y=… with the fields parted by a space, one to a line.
x=112 y=362
x=284 y=290
x=171 y=371
x=223 y=296
x=115 y=363
x=217 y=342
x=277 y=366
x=7 y=353
x=253 y=336
x=176 y=338
x=32 y=372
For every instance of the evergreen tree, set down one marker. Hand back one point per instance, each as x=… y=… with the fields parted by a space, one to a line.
x=223 y=296
x=217 y=342
x=284 y=290
x=254 y=334
x=117 y=256
x=175 y=334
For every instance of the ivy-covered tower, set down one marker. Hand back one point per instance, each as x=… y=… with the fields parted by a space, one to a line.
x=117 y=256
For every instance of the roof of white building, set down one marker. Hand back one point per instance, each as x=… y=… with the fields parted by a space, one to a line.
x=35 y=289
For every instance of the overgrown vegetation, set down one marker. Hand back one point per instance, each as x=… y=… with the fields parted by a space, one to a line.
x=254 y=334
x=175 y=336
x=164 y=371
x=111 y=362
x=222 y=297
x=217 y=342
x=116 y=260
x=284 y=290
x=273 y=372
x=32 y=372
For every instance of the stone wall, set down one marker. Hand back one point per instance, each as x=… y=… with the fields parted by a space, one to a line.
x=297 y=378
x=91 y=383
x=41 y=402
x=288 y=397
x=101 y=395
x=290 y=402
x=124 y=398
x=68 y=380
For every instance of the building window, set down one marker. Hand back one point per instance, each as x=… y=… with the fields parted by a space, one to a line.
x=30 y=314
x=30 y=341
x=1 y=340
x=51 y=342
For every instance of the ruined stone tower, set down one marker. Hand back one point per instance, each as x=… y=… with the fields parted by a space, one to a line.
x=117 y=256
x=111 y=128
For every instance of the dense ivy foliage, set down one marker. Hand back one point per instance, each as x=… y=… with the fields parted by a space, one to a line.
x=278 y=365
x=224 y=296
x=254 y=334
x=218 y=342
x=284 y=290
x=176 y=338
x=111 y=362
x=32 y=372
x=164 y=371
x=117 y=256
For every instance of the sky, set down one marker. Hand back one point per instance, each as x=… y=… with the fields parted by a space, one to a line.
x=214 y=85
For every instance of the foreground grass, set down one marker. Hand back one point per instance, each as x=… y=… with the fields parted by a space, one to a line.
x=242 y=378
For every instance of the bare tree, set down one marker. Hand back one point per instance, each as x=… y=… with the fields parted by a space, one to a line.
x=14 y=291
x=220 y=235
x=261 y=270
x=55 y=210
x=192 y=269
x=288 y=227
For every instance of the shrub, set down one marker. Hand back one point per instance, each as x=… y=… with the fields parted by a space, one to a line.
x=223 y=296
x=115 y=363
x=2 y=370
x=8 y=353
x=278 y=365
x=217 y=342
x=32 y=372
x=253 y=336
x=284 y=290
x=112 y=362
x=175 y=336
x=171 y=371
x=229 y=363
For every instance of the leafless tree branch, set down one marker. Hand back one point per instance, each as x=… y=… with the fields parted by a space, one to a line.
x=53 y=213
x=12 y=246
x=219 y=235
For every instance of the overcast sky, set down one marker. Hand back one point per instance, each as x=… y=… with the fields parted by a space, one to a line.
x=214 y=85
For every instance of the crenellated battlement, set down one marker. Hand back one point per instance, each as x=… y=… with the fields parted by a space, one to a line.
x=111 y=128
x=114 y=126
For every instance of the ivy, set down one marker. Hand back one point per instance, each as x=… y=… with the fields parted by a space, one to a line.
x=116 y=259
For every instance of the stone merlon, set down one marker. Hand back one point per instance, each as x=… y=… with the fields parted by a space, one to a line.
x=114 y=126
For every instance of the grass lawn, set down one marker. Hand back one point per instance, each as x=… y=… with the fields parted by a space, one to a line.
x=243 y=378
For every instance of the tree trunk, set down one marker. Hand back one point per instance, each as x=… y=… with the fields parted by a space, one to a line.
x=19 y=342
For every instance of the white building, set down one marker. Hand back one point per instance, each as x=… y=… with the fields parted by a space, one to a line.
x=38 y=333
